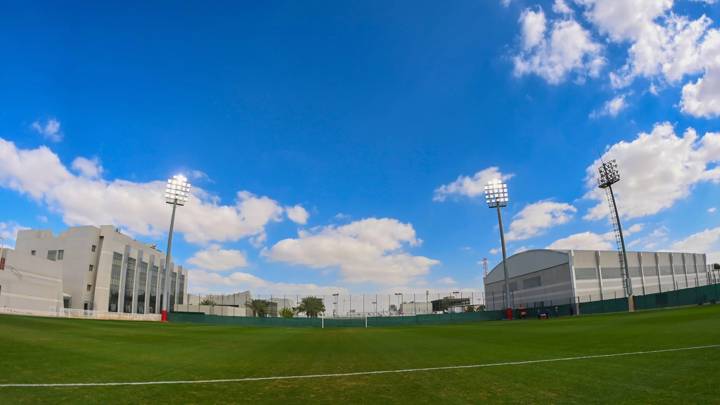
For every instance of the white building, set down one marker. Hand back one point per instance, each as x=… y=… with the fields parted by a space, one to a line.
x=545 y=277
x=100 y=269
x=416 y=308
x=30 y=282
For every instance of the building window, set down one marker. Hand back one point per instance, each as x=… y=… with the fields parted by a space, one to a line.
x=32 y=252
x=129 y=285
x=60 y=254
x=152 y=302
x=89 y=287
x=181 y=289
x=142 y=280
x=52 y=255
x=115 y=282
x=91 y=268
x=93 y=248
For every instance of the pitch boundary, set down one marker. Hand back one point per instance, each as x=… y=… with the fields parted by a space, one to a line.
x=360 y=373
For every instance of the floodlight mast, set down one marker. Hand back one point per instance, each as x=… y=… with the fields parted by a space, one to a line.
x=496 y=196
x=609 y=175
x=177 y=193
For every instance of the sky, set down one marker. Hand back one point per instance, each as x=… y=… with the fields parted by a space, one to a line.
x=344 y=145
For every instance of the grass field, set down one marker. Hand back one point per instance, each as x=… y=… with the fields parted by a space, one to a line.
x=42 y=350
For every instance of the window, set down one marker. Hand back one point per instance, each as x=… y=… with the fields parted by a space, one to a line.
x=115 y=282
x=89 y=287
x=129 y=285
x=140 y=307
x=93 y=248
x=32 y=252
x=152 y=302
x=52 y=255
x=91 y=268
x=60 y=254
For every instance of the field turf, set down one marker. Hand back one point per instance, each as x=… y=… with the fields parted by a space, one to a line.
x=42 y=350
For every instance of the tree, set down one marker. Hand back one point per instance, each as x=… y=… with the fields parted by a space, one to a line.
x=207 y=301
x=259 y=308
x=287 y=312
x=311 y=306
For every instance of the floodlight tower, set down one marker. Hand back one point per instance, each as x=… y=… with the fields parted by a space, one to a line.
x=609 y=175
x=177 y=193
x=496 y=196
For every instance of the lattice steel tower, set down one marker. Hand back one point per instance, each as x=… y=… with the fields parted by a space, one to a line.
x=610 y=175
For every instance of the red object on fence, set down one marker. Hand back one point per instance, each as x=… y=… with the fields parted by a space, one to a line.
x=163 y=316
x=509 y=313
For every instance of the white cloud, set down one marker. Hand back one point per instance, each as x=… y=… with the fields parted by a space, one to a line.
x=138 y=208
x=470 y=186
x=711 y=210
x=297 y=214
x=702 y=98
x=368 y=250
x=215 y=258
x=662 y=46
x=657 y=169
x=568 y=48
x=583 y=241
x=611 y=107
x=8 y=233
x=592 y=240
x=561 y=7
x=447 y=281
x=536 y=218
x=203 y=282
x=89 y=168
x=706 y=241
x=494 y=251
x=50 y=130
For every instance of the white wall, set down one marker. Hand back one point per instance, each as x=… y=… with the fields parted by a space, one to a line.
x=31 y=283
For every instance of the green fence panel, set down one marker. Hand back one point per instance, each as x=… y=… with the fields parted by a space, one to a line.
x=598 y=307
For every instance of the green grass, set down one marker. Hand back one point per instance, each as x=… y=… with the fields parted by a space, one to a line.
x=42 y=350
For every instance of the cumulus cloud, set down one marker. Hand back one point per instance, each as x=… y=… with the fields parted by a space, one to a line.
x=706 y=241
x=297 y=214
x=8 y=233
x=215 y=258
x=592 y=240
x=702 y=98
x=611 y=108
x=467 y=186
x=368 y=250
x=50 y=130
x=555 y=52
x=534 y=219
x=664 y=168
x=136 y=207
x=662 y=45
x=561 y=7
x=203 y=282
x=90 y=168
x=584 y=241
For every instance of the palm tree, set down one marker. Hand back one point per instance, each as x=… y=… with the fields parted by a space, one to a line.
x=311 y=306
x=259 y=308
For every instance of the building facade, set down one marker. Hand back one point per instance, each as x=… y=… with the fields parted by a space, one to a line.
x=30 y=283
x=545 y=277
x=104 y=270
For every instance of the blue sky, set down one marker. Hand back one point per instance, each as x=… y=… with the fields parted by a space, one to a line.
x=340 y=145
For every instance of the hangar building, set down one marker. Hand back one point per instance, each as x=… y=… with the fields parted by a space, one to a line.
x=544 y=277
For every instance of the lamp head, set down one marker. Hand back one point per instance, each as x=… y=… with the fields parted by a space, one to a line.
x=177 y=190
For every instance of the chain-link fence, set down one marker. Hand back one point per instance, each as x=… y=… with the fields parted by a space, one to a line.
x=338 y=305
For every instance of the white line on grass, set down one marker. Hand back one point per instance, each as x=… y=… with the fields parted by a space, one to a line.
x=361 y=373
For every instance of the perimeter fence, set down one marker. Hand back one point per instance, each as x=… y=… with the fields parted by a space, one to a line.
x=709 y=294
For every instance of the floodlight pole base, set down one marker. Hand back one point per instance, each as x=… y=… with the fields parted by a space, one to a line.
x=163 y=316
x=508 y=314
x=631 y=303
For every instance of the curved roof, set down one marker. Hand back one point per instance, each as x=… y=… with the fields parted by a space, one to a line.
x=527 y=262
